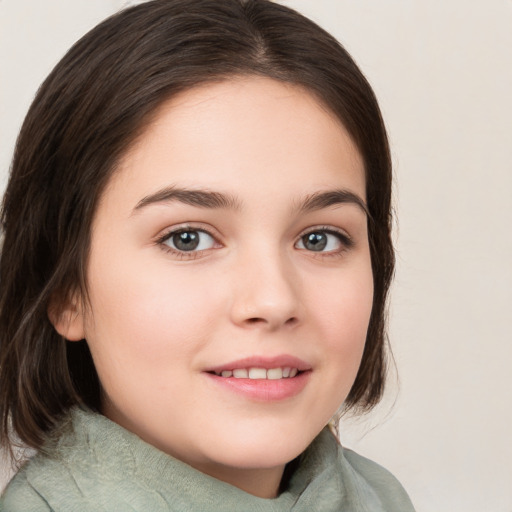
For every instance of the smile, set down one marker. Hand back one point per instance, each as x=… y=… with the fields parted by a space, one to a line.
x=261 y=378
x=259 y=373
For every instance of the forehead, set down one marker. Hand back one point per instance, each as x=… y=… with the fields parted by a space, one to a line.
x=250 y=135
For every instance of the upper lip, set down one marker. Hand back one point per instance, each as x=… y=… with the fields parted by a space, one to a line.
x=280 y=361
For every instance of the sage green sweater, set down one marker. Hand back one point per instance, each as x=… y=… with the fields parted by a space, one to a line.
x=97 y=466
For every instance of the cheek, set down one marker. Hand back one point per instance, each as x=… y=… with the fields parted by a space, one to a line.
x=147 y=323
x=344 y=304
x=343 y=312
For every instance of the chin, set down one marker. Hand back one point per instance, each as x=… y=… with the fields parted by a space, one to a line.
x=262 y=448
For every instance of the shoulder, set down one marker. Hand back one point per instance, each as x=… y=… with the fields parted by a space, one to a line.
x=92 y=464
x=377 y=481
x=357 y=483
x=64 y=476
x=42 y=484
x=20 y=496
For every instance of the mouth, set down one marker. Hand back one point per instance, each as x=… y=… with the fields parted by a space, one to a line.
x=263 y=379
x=255 y=373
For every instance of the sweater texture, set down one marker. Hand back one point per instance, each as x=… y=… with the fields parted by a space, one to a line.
x=97 y=466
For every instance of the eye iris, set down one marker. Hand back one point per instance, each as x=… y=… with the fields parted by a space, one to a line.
x=186 y=240
x=315 y=241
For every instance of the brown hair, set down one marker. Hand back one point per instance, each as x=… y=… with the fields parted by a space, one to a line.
x=87 y=113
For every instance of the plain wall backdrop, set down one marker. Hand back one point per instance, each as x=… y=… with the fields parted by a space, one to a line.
x=442 y=70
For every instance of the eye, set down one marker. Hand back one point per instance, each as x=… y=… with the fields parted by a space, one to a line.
x=189 y=240
x=323 y=240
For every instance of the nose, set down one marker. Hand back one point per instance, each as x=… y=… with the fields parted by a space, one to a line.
x=266 y=294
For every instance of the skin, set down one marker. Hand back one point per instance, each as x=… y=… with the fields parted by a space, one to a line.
x=158 y=318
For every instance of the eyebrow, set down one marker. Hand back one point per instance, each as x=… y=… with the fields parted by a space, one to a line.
x=194 y=197
x=210 y=199
x=325 y=199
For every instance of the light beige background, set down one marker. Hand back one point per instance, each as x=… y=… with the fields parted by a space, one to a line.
x=442 y=70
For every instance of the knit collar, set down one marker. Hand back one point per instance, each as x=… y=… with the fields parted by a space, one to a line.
x=140 y=473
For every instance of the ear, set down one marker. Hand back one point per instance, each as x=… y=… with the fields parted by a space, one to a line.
x=67 y=318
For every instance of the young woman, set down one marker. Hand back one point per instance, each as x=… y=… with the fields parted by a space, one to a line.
x=194 y=269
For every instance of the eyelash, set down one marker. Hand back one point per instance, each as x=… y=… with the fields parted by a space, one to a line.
x=345 y=240
x=183 y=255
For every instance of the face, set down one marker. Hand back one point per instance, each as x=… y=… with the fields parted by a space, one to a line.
x=230 y=278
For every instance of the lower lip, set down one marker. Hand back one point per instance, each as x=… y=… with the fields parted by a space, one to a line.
x=264 y=390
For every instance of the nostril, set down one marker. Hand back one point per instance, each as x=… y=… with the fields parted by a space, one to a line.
x=254 y=320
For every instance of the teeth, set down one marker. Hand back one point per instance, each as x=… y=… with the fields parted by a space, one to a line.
x=257 y=373
x=260 y=373
x=275 y=373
